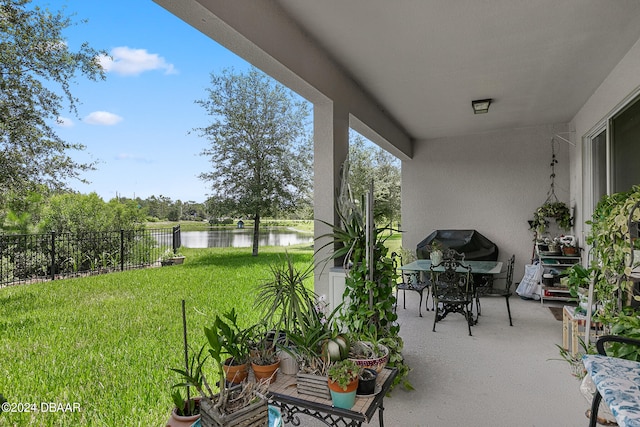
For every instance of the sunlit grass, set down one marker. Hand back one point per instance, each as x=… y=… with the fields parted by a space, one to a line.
x=107 y=342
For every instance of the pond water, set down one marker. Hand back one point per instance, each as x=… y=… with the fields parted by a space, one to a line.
x=243 y=238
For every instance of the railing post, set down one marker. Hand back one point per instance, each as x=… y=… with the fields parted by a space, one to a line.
x=53 y=255
x=121 y=249
x=176 y=238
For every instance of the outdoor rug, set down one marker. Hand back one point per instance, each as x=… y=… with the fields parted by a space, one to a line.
x=557 y=312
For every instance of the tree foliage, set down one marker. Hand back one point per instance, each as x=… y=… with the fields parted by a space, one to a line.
x=81 y=213
x=375 y=164
x=258 y=148
x=37 y=68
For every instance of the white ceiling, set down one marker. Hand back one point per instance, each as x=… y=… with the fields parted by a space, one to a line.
x=424 y=61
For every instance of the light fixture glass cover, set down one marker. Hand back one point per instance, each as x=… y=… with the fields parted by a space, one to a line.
x=481 y=106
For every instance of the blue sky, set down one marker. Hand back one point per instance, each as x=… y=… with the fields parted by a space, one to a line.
x=136 y=123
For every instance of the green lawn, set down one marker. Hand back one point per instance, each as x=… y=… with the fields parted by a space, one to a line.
x=106 y=343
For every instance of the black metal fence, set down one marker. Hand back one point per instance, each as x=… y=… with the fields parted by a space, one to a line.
x=38 y=257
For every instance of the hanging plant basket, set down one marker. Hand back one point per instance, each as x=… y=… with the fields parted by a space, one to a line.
x=552 y=210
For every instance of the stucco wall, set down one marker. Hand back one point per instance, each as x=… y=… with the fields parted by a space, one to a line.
x=490 y=182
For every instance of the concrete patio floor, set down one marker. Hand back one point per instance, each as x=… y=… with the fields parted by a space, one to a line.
x=500 y=376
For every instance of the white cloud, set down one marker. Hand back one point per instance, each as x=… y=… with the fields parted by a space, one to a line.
x=132 y=62
x=103 y=118
x=127 y=156
x=65 y=122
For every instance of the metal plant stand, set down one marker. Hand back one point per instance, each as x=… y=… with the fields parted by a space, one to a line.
x=283 y=394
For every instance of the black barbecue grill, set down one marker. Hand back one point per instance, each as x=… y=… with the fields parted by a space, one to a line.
x=472 y=244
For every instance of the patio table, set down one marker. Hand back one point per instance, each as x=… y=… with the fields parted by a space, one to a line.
x=477 y=267
x=489 y=268
x=283 y=393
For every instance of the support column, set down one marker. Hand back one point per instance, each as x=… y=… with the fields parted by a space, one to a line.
x=331 y=149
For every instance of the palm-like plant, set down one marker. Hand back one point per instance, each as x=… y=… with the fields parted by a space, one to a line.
x=285 y=300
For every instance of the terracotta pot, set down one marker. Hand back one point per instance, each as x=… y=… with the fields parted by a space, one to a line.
x=353 y=385
x=263 y=372
x=569 y=250
x=183 y=421
x=235 y=374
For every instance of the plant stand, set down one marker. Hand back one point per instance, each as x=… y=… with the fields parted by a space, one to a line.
x=254 y=415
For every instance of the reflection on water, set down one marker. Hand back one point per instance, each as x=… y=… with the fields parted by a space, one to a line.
x=242 y=238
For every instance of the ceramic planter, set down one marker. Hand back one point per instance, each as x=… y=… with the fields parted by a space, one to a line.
x=344 y=399
x=435 y=257
x=288 y=363
x=376 y=363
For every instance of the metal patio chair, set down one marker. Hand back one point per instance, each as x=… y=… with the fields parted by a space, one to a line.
x=489 y=287
x=410 y=281
x=452 y=288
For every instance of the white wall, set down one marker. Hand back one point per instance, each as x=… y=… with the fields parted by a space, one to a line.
x=489 y=182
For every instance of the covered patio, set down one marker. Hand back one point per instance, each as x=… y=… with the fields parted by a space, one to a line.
x=404 y=75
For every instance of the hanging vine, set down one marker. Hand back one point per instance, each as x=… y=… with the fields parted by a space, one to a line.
x=552 y=207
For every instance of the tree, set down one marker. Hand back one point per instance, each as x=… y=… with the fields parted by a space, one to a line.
x=82 y=213
x=367 y=164
x=258 y=147
x=37 y=68
x=387 y=186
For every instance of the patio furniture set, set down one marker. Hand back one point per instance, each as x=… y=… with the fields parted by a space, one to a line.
x=455 y=284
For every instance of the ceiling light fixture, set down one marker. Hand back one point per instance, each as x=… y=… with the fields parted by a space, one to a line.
x=481 y=106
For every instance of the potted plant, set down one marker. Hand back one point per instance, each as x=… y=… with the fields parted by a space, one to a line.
x=287 y=304
x=235 y=344
x=435 y=252
x=367 y=382
x=611 y=250
x=343 y=383
x=169 y=257
x=569 y=245
x=262 y=353
x=551 y=209
x=285 y=299
x=230 y=406
x=185 y=411
x=314 y=345
x=577 y=279
x=366 y=354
